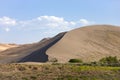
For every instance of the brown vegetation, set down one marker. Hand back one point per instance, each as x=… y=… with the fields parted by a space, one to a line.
x=57 y=72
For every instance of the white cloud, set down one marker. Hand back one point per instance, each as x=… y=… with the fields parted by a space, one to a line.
x=51 y=18
x=39 y=27
x=6 y=21
x=49 y=24
x=84 y=22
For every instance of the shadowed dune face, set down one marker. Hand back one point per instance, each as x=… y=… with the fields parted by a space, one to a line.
x=35 y=52
x=89 y=43
x=40 y=54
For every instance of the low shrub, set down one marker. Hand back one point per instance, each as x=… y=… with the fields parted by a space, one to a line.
x=109 y=61
x=53 y=60
x=75 y=61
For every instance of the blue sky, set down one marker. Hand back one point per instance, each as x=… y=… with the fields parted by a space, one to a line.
x=26 y=21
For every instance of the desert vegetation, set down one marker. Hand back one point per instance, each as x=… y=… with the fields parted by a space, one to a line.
x=106 y=61
x=57 y=72
x=53 y=60
x=75 y=61
x=109 y=61
x=76 y=69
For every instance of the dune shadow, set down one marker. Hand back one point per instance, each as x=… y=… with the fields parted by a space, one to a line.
x=40 y=55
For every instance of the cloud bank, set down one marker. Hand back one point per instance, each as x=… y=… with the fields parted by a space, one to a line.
x=39 y=27
x=41 y=23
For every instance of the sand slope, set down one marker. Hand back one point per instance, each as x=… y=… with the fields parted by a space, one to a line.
x=88 y=43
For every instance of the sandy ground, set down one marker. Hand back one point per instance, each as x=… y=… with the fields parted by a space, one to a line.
x=34 y=63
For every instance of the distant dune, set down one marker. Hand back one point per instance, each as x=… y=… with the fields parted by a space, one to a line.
x=6 y=46
x=89 y=43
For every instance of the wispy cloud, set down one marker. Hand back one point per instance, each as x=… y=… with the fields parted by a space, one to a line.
x=45 y=24
x=85 y=22
x=25 y=31
x=7 y=21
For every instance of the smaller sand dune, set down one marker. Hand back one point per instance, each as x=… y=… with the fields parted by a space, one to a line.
x=35 y=52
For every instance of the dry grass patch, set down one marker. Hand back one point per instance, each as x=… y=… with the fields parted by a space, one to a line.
x=57 y=72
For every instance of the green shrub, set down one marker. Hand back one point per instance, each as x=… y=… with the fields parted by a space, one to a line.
x=75 y=61
x=109 y=61
x=93 y=63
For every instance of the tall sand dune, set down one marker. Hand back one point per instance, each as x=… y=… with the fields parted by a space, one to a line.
x=89 y=43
